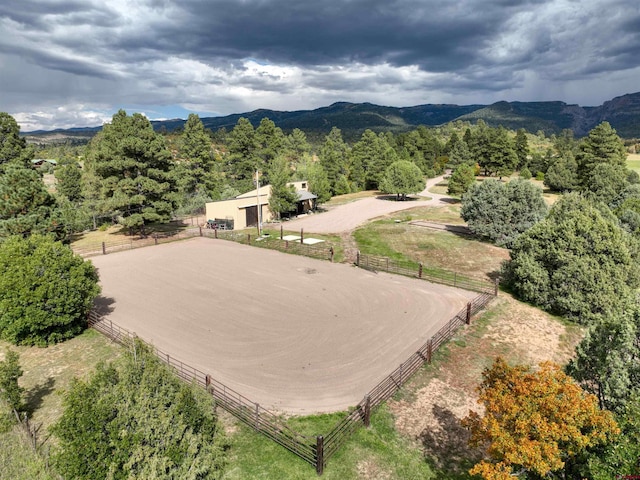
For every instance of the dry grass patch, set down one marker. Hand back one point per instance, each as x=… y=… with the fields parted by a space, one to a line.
x=431 y=405
x=48 y=371
x=351 y=197
x=434 y=248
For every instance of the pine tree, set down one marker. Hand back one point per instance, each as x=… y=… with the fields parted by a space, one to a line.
x=199 y=170
x=27 y=207
x=333 y=158
x=521 y=146
x=134 y=168
x=242 y=158
x=602 y=145
x=13 y=147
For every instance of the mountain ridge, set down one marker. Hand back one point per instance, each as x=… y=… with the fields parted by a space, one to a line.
x=622 y=112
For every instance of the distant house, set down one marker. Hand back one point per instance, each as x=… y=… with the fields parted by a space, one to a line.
x=242 y=211
x=38 y=162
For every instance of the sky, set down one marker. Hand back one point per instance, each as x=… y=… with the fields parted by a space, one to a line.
x=74 y=63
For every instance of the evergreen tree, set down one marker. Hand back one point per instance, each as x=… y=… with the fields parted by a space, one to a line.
x=271 y=143
x=10 y=373
x=602 y=145
x=26 y=205
x=333 y=158
x=606 y=182
x=283 y=197
x=460 y=154
x=13 y=148
x=196 y=161
x=134 y=168
x=461 y=179
x=368 y=160
x=136 y=419
x=562 y=175
x=312 y=171
x=502 y=212
x=521 y=147
x=577 y=262
x=242 y=158
x=69 y=176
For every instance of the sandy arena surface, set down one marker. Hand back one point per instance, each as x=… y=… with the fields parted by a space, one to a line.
x=294 y=334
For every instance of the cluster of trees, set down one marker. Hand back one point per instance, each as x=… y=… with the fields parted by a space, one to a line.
x=580 y=261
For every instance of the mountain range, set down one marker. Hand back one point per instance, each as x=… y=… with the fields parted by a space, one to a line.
x=622 y=112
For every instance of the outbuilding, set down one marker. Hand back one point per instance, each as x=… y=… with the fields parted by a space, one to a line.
x=242 y=211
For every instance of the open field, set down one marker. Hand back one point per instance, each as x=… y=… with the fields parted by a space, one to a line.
x=633 y=162
x=396 y=238
x=294 y=334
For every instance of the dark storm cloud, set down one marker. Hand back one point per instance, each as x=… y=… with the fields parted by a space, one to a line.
x=437 y=38
x=227 y=56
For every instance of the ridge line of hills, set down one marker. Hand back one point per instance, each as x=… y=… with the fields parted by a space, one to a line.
x=623 y=113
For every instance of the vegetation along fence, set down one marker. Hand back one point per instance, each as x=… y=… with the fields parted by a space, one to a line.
x=251 y=413
x=412 y=269
x=313 y=450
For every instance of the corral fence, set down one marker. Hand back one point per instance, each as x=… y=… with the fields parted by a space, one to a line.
x=251 y=413
x=315 y=450
x=323 y=251
x=418 y=270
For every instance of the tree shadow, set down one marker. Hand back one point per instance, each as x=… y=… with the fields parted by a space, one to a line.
x=446 y=446
x=395 y=198
x=34 y=397
x=103 y=305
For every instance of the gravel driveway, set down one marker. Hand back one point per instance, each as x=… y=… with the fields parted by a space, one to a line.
x=347 y=217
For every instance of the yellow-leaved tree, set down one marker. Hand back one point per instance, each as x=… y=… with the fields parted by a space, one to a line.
x=535 y=420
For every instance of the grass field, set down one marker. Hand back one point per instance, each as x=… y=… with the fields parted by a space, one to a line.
x=396 y=238
x=633 y=162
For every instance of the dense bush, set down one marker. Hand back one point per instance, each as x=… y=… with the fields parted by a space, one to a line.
x=45 y=291
x=578 y=262
x=135 y=419
x=501 y=212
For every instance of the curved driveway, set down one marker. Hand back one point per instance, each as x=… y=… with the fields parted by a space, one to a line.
x=347 y=217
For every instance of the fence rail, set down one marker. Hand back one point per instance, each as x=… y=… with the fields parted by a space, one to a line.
x=418 y=270
x=392 y=383
x=249 y=412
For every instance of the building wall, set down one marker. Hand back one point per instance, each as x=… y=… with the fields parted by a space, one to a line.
x=236 y=207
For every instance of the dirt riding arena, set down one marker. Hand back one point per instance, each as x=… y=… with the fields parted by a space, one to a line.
x=294 y=334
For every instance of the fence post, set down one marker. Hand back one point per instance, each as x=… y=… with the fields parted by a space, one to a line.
x=468 y=313
x=367 y=411
x=301 y=236
x=429 y=350
x=358 y=258
x=387 y=258
x=200 y=228
x=257 y=421
x=331 y=253
x=281 y=231
x=420 y=270
x=286 y=244
x=319 y=454
x=104 y=249
x=155 y=238
x=400 y=382
x=455 y=279
x=496 y=283
x=215 y=232
x=248 y=239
